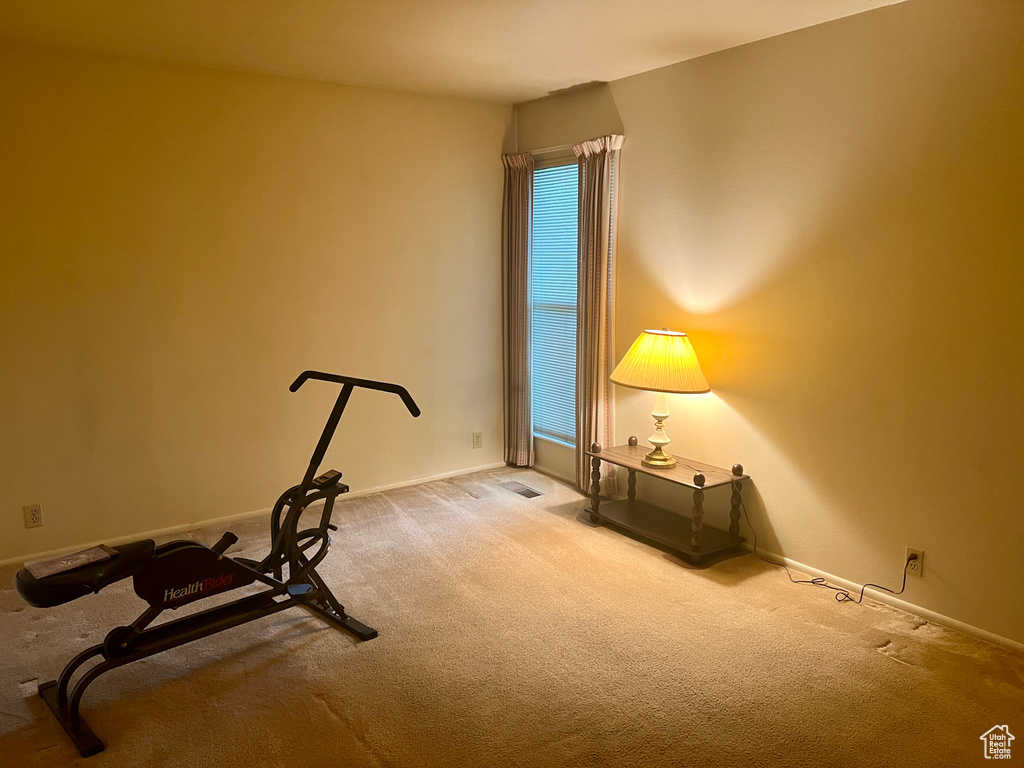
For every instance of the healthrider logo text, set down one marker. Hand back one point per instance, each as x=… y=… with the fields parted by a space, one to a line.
x=997 y=742
x=205 y=585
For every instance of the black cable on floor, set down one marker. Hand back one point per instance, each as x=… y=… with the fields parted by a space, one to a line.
x=842 y=595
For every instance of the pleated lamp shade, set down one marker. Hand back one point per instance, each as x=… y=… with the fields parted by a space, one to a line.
x=661 y=361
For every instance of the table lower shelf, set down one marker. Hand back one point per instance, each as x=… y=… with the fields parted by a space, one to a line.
x=666 y=530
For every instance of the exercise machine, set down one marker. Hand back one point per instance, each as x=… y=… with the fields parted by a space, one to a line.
x=179 y=573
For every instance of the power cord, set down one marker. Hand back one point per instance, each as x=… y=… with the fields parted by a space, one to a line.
x=842 y=595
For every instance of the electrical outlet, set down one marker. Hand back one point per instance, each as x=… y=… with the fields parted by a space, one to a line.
x=478 y=439
x=33 y=515
x=916 y=567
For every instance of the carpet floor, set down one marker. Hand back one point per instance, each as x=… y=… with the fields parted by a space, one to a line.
x=512 y=635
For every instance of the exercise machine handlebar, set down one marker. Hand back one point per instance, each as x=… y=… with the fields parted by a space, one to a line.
x=348 y=385
x=402 y=392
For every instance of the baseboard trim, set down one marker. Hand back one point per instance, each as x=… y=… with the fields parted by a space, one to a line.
x=218 y=521
x=903 y=605
x=882 y=597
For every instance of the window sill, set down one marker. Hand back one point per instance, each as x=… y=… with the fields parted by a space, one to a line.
x=554 y=440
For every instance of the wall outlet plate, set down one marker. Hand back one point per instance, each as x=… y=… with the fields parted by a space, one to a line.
x=916 y=567
x=33 y=515
x=478 y=439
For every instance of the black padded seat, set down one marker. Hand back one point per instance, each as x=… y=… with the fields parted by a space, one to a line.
x=71 y=585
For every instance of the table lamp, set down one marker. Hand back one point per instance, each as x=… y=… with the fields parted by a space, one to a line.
x=663 y=362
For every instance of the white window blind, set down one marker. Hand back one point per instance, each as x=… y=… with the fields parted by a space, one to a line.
x=553 y=301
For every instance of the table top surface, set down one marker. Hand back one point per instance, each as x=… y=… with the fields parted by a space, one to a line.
x=631 y=457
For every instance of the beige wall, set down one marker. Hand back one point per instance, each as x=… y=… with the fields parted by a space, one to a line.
x=835 y=216
x=559 y=121
x=178 y=243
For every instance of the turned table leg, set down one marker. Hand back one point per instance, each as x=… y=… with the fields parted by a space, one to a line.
x=595 y=487
x=698 y=520
x=631 y=486
x=734 y=509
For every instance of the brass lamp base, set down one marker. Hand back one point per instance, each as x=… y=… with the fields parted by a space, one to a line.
x=659 y=459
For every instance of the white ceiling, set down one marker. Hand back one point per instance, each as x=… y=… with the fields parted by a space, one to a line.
x=496 y=50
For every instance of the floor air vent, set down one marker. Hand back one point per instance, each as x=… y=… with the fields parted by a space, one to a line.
x=522 y=490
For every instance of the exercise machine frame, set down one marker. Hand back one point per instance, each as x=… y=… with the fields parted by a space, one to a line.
x=288 y=572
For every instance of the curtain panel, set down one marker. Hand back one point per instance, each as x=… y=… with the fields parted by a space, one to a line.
x=594 y=343
x=516 y=223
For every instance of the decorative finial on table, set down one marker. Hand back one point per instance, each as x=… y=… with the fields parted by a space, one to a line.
x=632 y=440
x=699 y=480
x=595 y=448
x=737 y=469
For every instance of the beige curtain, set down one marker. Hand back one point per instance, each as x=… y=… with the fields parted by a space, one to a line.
x=594 y=407
x=516 y=223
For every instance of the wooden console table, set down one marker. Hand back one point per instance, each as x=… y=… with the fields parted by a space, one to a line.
x=686 y=537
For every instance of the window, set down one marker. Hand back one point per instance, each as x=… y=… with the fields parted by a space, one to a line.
x=553 y=270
